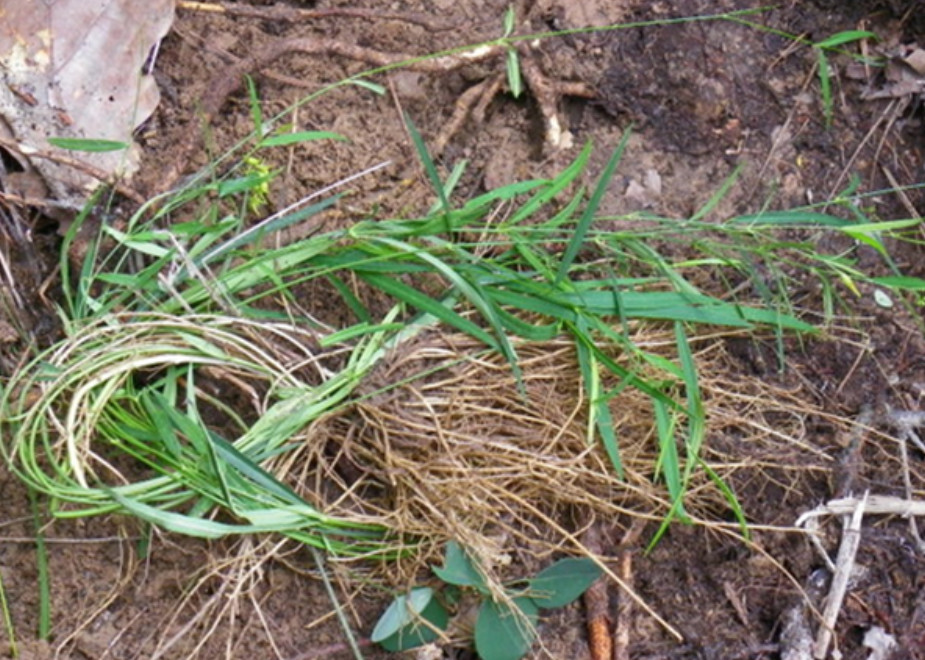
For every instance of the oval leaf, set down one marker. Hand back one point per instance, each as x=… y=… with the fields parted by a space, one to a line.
x=458 y=568
x=563 y=582
x=404 y=624
x=503 y=633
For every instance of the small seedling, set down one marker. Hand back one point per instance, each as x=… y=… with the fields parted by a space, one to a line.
x=512 y=61
x=505 y=628
x=825 y=82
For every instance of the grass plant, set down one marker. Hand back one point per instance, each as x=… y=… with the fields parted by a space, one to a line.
x=173 y=302
x=191 y=372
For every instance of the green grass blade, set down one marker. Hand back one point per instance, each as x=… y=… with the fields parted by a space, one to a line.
x=286 y=139
x=451 y=182
x=553 y=188
x=731 y=499
x=254 y=102
x=696 y=415
x=599 y=416
x=584 y=223
x=473 y=293
x=845 y=37
x=235 y=459
x=825 y=85
x=717 y=196
x=44 y=578
x=789 y=218
x=272 y=224
x=668 y=462
x=431 y=169
x=418 y=300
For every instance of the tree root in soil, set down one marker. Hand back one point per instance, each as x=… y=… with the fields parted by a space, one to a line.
x=473 y=103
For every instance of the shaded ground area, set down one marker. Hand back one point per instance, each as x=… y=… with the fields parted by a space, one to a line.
x=703 y=99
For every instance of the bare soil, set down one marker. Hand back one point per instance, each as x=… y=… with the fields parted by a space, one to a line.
x=702 y=98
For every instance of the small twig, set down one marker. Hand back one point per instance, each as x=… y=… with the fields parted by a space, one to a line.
x=597 y=603
x=905 y=422
x=903 y=197
x=844 y=564
x=621 y=633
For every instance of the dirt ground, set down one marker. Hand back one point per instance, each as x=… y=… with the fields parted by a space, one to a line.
x=702 y=98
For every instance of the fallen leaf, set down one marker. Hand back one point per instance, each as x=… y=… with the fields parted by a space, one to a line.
x=73 y=69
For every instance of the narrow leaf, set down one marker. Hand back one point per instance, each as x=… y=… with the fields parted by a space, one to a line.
x=901 y=282
x=86 y=144
x=584 y=223
x=845 y=37
x=431 y=170
x=513 y=73
x=284 y=139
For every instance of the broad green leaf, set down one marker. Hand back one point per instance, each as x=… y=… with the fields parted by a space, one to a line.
x=503 y=633
x=404 y=626
x=458 y=568
x=563 y=582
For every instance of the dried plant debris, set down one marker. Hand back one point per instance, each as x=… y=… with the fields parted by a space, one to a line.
x=903 y=75
x=73 y=77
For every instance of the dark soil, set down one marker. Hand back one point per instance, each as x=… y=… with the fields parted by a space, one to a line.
x=703 y=98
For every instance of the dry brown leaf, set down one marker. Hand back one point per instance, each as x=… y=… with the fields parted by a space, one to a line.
x=73 y=68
